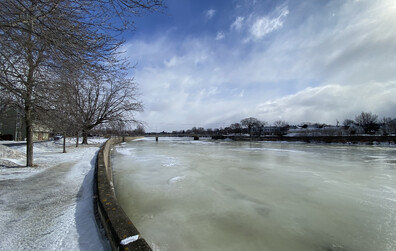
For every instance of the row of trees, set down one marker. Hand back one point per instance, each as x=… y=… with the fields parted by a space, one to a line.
x=364 y=123
x=60 y=63
x=252 y=126
x=370 y=123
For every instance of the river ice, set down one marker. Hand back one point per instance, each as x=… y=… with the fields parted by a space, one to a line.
x=216 y=195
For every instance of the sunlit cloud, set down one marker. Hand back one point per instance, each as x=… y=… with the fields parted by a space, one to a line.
x=210 y=13
x=266 y=24
x=237 y=24
x=220 y=35
x=329 y=103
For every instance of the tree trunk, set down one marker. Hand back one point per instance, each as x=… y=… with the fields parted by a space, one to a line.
x=77 y=139
x=64 y=142
x=28 y=100
x=28 y=114
x=85 y=137
x=29 y=135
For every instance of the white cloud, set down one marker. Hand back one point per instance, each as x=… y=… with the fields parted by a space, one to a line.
x=220 y=35
x=237 y=24
x=318 y=70
x=266 y=24
x=171 y=62
x=210 y=13
x=326 y=104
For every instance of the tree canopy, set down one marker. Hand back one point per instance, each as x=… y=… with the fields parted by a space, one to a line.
x=42 y=41
x=368 y=121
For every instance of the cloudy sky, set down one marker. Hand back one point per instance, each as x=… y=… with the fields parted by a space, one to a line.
x=212 y=63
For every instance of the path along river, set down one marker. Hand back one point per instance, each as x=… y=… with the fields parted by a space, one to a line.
x=220 y=195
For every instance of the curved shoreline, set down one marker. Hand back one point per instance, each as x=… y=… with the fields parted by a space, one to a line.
x=354 y=139
x=119 y=229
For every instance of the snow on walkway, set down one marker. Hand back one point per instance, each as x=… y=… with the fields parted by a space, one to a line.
x=50 y=207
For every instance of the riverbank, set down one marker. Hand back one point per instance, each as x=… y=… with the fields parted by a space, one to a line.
x=49 y=207
x=120 y=230
x=360 y=139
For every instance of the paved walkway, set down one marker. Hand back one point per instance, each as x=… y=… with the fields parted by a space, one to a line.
x=52 y=209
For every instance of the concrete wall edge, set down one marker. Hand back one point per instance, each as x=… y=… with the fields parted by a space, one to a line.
x=119 y=229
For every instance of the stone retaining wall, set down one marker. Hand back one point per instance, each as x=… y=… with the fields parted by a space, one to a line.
x=119 y=229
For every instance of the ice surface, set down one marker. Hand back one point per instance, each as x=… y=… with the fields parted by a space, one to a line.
x=124 y=151
x=259 y=195
x=169 y=162
x=176 y=179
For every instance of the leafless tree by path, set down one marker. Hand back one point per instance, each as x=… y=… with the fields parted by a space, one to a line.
x=38 y=39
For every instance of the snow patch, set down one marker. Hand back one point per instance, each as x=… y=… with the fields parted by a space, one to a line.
x=129 y=239
x=10 y=153
x=7 y=163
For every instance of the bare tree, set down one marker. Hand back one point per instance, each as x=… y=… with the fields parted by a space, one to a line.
x=251 y=123
x=35 y=37
x=386 y=120
x=389 y=125
x=236 y=127
x=281 y=123
x=6 y=101
x=22 y=53
x=347 y=123
x=282 y=127
x=368 y=121
x=101 y=99
x=139 y=130
x=56 y=113
x=38 y=37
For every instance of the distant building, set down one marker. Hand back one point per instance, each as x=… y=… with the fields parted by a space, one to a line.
x=355 y=129
x=12 y=127
x=319 y=130
x=273 y=130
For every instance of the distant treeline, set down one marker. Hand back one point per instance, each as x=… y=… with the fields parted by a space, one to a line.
x=364 y=123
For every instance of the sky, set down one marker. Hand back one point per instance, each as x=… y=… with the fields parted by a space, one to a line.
x=212 y=63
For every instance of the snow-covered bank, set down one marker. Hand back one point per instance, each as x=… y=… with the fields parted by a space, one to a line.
x=50 y=207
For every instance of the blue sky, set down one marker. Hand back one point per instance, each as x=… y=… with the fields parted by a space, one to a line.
x=212 y=63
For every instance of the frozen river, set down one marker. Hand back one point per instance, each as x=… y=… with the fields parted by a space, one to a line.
x=219 y=195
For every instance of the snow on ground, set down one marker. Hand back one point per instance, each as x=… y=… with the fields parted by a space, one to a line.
x=49 y=207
